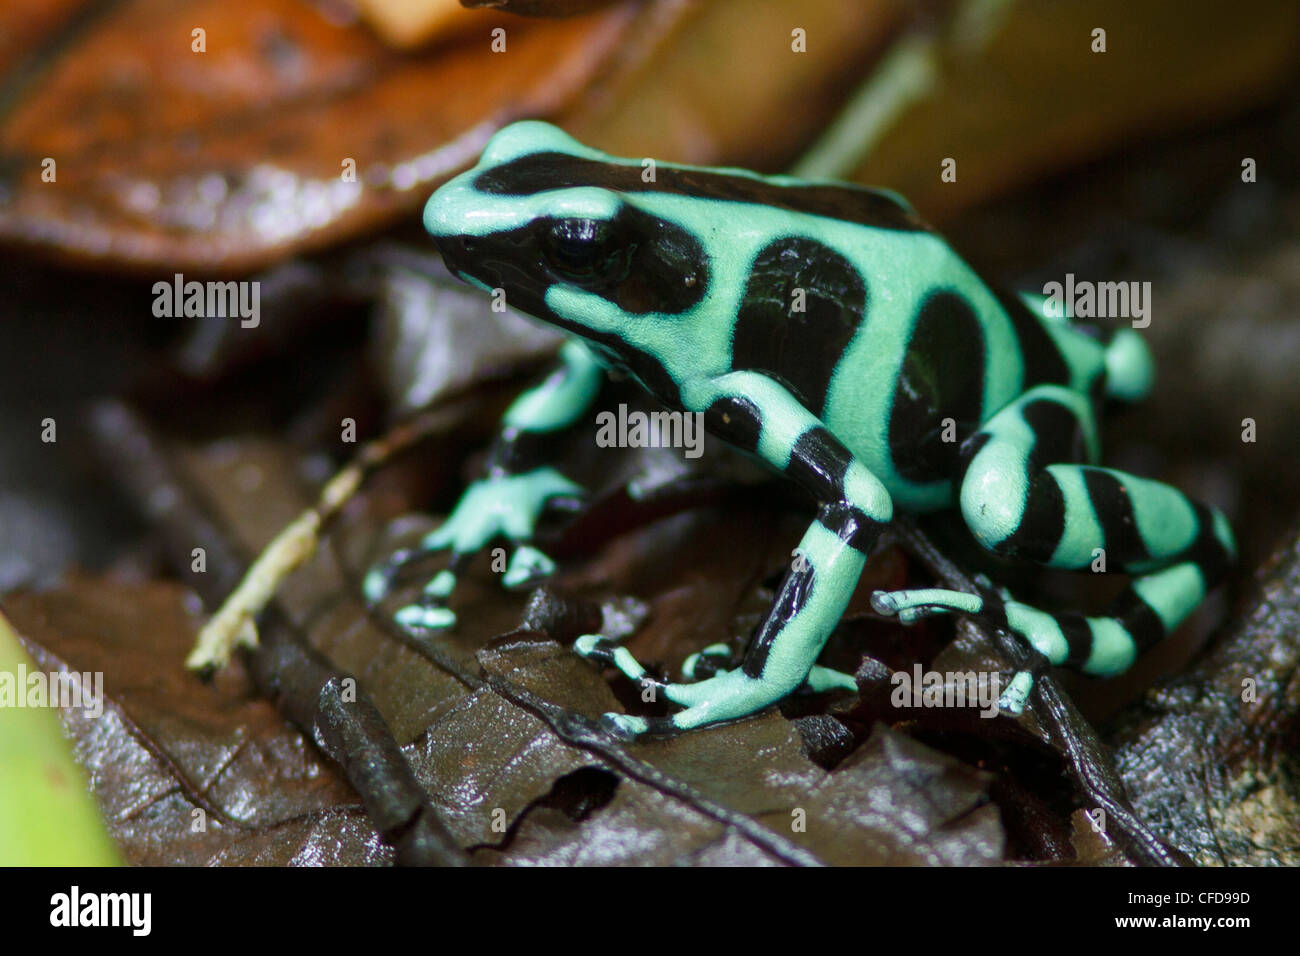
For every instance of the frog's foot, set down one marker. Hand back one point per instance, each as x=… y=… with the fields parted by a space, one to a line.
x=994 y=608
x=727 y=695
x=430 y=612
x=503 y=508
x=527 y=567
x=1098 y=645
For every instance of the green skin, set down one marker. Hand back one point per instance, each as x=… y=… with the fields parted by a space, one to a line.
x=898 y=379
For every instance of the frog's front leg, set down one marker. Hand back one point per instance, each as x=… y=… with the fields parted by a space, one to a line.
x=508 y=501
x=757 y=414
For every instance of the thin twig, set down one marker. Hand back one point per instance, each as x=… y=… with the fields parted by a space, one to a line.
x=234 y=624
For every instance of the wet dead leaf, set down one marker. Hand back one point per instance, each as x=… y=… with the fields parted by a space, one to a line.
x=1210 y=756
x=186 y=773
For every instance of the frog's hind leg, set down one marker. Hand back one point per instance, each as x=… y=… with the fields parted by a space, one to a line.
x=1028 y=490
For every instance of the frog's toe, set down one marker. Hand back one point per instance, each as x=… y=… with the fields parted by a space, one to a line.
x=728 y=695
x=910 y=615
x=376 y=585
x=821 y=680
x=1014 y=699
x=440 y=587
x=624 y=726
x=913 y=605
x=426 y=616
x=378 y=582
x=528 y=567
x=594 y=647
x=712 y=660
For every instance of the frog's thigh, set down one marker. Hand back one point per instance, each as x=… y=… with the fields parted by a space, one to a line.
x=1019 y=497
x=1015 y=497
x=1024 y=493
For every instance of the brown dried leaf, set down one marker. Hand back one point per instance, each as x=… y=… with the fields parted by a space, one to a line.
x=221 y=160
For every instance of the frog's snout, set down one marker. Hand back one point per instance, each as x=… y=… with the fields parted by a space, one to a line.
x=463 y=257
x=489 y=261
x=443 y=224
x=457 y=251
x=441 y=218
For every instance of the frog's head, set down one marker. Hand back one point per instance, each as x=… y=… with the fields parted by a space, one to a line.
x=568 y=233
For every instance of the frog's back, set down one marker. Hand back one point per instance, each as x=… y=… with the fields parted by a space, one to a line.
x=883 y=331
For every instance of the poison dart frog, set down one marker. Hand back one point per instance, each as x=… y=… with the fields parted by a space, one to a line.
x=900 y=381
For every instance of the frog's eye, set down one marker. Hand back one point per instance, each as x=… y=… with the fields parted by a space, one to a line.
x=582 y=249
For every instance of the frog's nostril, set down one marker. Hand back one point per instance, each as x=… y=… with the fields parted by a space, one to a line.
x=468 y=244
